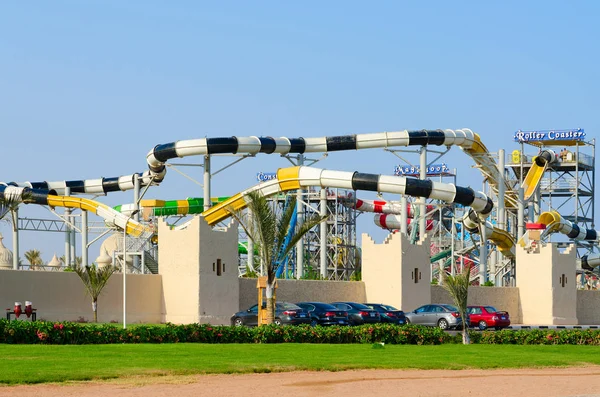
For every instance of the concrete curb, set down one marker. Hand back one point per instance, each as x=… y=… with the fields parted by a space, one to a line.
x=526 y=327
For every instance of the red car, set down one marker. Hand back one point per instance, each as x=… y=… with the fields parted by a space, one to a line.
x=483 y=317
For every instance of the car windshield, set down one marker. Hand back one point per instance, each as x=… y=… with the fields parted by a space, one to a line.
x=389 y=308
x=287 y=306
x=360 y=306
x=491 y=309
x=450 y=308
x=326 y=306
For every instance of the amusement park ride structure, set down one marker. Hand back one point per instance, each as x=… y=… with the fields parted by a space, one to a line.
x=464 y=226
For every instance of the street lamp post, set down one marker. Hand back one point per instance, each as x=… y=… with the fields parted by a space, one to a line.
x=137 y=198
x=125 y=268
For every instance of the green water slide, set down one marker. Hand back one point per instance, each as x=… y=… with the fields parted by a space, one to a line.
x=189 y=206
x=440 y=255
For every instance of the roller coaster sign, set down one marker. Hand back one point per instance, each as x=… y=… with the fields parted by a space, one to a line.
x=550 y=135
x=434 y=169
x=266 y=176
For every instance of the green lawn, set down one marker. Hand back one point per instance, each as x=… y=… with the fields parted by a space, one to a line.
x=44 y=363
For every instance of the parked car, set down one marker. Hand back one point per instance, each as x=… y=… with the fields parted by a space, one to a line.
x=443 y=316
x=324 y=313
x=358 y=313
x=389 y=314
x=484 y=317
x=285 y=314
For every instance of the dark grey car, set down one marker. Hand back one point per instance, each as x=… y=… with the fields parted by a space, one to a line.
x=285 y=314
x=435 y=315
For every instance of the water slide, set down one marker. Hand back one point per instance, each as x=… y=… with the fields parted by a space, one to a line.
x=44 y=197
x=282 y=262
x=294 y=178
x=440 y=255
x=384 y=207
x=189 y=206
x=394 y=222
x=194 y=205
x=392 y=208
x=555 y=223
x=93 y=186
x=534 y=176
x=466 y=139
x=503 y=240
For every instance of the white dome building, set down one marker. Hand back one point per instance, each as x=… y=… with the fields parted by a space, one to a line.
x=104 y=259
x=54 y=263
x=6 y=256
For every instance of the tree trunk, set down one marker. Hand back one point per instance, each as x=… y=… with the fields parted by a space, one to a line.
x=95 y=309
x=270 y=302
x=465 y=334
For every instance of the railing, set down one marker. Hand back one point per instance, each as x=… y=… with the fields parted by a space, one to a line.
x=548 y=185
x=571 y=157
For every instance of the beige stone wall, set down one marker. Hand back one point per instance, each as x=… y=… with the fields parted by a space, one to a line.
x=178 y=258
x=546 y=280
x=396 y=272
x=588 y=307
x=60 y=296
x=304 y=290
x=219 y=294
x=189 y=258
x=502 y=298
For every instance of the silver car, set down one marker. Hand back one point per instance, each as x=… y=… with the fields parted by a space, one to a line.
x=443 y=316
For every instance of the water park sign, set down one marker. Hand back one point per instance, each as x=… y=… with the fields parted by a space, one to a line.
x=434 y=169
x=266 y=176
x=551 y=135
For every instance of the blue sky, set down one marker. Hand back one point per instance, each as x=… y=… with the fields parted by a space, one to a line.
x=88 y=88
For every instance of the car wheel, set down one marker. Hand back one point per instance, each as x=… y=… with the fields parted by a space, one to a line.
x=277 y=321
x=314 y=323
x=443 y=323
x=482 y=325
x=498 y=328
x=407 y=321
x=238 y=322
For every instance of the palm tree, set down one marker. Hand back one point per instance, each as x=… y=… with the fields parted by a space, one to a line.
x=458 y=288
x=78 y=260
x=9 y=205
x=94 y=279
x=269 y=235
x=34 y=257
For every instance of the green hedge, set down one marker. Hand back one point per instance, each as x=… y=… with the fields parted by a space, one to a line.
x=46 y=332
x=41 y=332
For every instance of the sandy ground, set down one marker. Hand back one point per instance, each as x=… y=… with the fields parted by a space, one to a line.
x=582 y=381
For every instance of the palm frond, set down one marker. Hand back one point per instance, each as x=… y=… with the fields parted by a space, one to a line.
x=94 y=279
x=9 y=204
x=458 y=287
x=308 y=224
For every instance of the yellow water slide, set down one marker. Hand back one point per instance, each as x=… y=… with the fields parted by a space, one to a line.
x=110 y=215
x=489 y=168
x=536 y=172
x=556 y=223
x=503 y=239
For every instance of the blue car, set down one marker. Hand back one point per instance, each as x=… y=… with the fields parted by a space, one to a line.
x=324 y=313
x=389 y=314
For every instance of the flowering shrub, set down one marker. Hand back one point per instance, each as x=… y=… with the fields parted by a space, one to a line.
x=48 y=332
x=543 y=337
